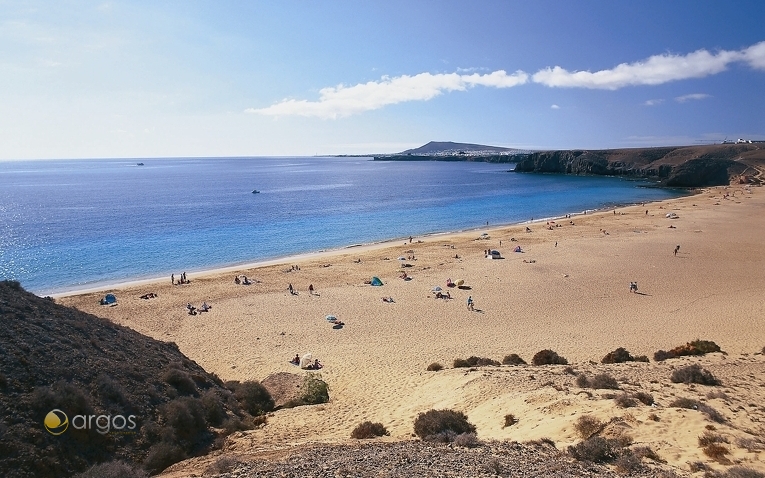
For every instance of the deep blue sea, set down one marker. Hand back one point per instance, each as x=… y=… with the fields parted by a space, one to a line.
x=72 y=225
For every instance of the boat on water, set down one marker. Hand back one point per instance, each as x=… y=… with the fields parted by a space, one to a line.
x=139 y=164
x=255 y=191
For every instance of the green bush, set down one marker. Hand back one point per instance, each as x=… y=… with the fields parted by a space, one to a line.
x=315 y=390
x=369 y=430
x=548 y=357
x=253 y=397
x=434 y=422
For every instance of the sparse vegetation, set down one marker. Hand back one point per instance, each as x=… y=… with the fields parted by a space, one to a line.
x=697 y=347
x=369 y=430
x=548 y=357
x=513 y=359
x=434 y=422
x=619 y=355
x=252 y=396
x=693 y=374
x=709 y=438
x=716 y=452
x=435 y=367
x=595 y=449
x=600 y=381
x=224 y=464
x=644 y=397
x=467 y=440
x=625 y=400
x=628 y=462
x=510 y=420
x=743 y=472
x=587 y=426
x=474 y=361
x=112 y=469
x=710 y=412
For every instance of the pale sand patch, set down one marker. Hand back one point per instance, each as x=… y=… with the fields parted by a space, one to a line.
x=573 y=299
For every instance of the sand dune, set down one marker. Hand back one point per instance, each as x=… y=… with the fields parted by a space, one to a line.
x=573 y=298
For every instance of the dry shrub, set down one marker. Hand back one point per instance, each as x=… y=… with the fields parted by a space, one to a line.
x=717 y=394
x=587 y=426
x=743 y=472
x=628 y=462
x=435 y=367
x=619 y=355
x=641 y=358
x=647 y=452
x=494 y=467
x=513 y=359
x=467 y=440
x=716 y=452
x=460 y=363
x=693 y=374
x=161 y=455
x=112 y=469
x=625 y=400
x=644 y=397
x=710 y=412
x=709 y=438
x=180 y=380
x=696 y=347
x=224 y=464
x=595 y=449
x=369 y=430
x=186 y=416
x=510 y=420
x=749 y=444
x=653 y=417
x=600 y=381
x=696 y=466
x=542 y=442
x=548 y=357
x=569 y=370
x=434 y=422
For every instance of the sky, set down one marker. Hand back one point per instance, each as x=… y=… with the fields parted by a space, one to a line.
x=142 y=79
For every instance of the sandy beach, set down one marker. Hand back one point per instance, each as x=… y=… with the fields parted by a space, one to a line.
x=568 y=290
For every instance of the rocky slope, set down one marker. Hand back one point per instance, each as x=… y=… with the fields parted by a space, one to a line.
x=684 y=166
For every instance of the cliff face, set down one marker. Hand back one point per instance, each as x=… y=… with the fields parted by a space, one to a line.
x=690 y=166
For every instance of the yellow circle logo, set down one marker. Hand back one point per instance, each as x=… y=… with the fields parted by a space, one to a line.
x=56 y=422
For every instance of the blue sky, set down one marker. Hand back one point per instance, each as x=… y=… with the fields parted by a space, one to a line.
x=148 y=79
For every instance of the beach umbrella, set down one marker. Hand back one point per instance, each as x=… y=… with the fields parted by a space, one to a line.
x=331 y=318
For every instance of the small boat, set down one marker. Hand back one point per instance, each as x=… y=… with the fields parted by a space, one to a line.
x=255 y=191
x=139 y=164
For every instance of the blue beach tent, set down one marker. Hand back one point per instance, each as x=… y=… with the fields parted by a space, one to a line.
x=376 y=281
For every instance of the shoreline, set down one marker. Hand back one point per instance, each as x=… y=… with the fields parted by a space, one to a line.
x=333 y=252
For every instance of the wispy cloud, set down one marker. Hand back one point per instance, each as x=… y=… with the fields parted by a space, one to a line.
x=654 y=102
x=341 y=100
x=655 y=70
x=555 y=107
x=692 y=97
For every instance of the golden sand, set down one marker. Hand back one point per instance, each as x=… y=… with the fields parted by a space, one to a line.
x=573 y=298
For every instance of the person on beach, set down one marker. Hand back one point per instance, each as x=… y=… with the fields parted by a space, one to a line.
x=172 y=279
x=292 y=291
x=310 y=289
x=677 y=248
x=633 y=287
x=236 y=280
x=470 y=302
x=296 y=360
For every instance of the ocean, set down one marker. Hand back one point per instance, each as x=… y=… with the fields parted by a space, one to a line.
x=69 y=225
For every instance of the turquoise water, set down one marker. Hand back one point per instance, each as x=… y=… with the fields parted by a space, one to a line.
x=70 y=225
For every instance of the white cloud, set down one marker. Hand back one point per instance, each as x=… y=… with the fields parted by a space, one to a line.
x=555 y=107
x=755 y=55
x=656 y=70
x=341 y=100
x=692 y=97
x=654 y=102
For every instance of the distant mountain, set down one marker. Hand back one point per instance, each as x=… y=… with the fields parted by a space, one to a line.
x=449 y=147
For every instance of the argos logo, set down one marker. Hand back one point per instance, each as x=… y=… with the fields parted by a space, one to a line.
x=57 y=422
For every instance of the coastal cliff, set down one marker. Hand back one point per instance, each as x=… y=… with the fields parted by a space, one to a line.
x=683 y=166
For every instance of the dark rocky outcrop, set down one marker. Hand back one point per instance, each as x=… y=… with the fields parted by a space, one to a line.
x=54 y=357
x=683 y=166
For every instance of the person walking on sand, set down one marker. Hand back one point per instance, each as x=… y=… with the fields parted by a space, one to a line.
x=172 y=279
x=310 y=289
x=470 y=302
x=292 y=291
x=677 y=248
